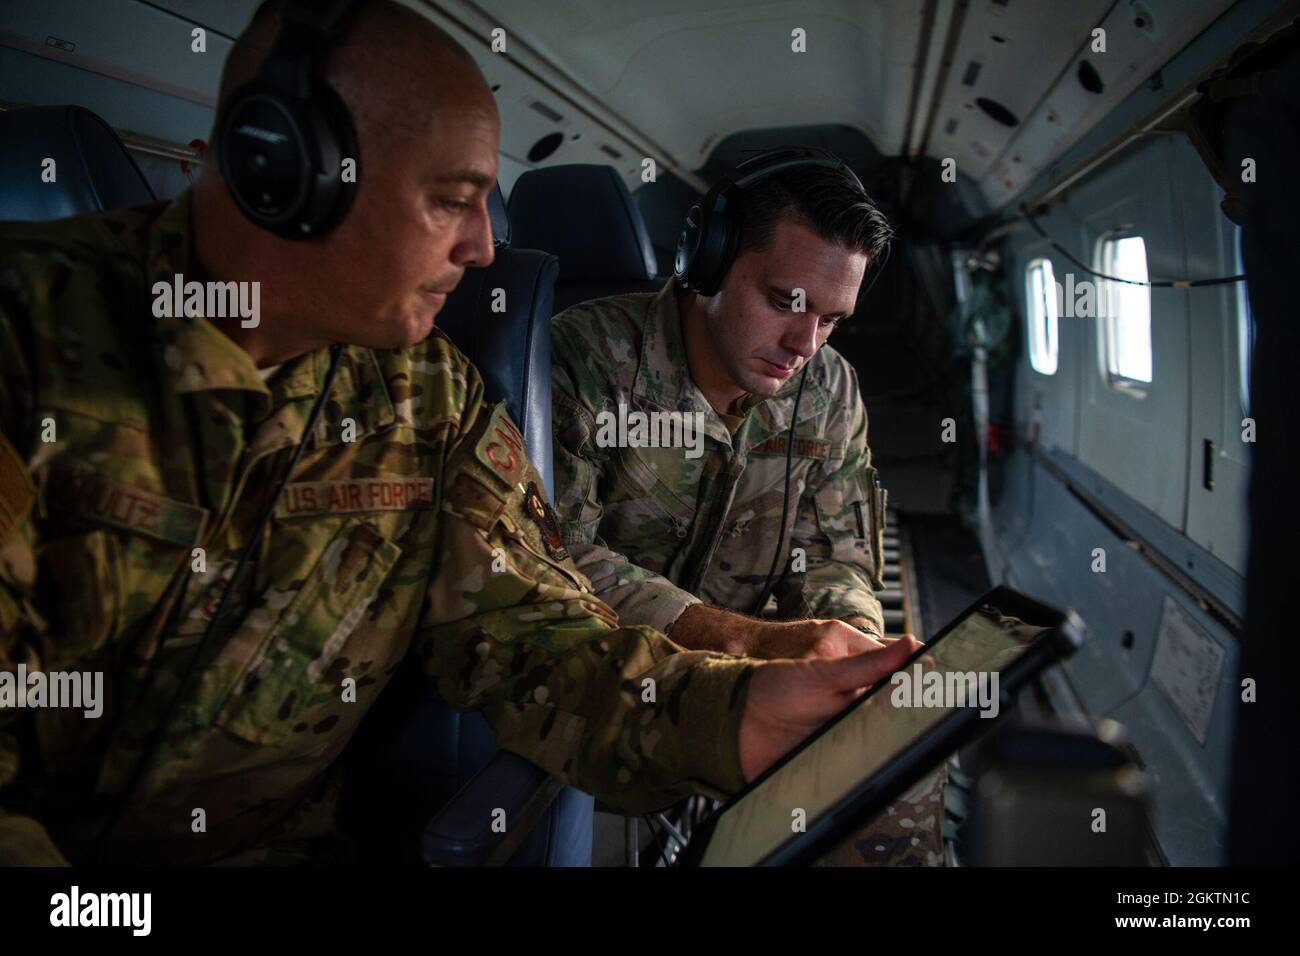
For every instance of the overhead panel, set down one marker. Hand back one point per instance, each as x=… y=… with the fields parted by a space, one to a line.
x=688 y=73
x=1009 y=53
x=1140 y=36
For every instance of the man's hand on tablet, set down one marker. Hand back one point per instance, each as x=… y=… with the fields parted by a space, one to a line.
x=788 y=700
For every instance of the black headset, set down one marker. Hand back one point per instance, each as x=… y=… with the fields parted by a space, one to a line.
x=282 y=138
x=708 y=241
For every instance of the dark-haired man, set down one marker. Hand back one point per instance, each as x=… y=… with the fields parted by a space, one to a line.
x=676 y=524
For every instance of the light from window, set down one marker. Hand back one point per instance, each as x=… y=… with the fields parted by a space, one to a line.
x=1126 y=322
x=1040 y=299
x=1245 y=330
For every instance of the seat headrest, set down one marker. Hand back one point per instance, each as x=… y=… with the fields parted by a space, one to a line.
x=92 y=169
x=584 y=215
x=500 y=221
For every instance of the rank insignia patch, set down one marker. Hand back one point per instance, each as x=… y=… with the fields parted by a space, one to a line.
x=539 y=509
x=501 y=447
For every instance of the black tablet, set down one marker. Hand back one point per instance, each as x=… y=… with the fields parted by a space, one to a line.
x=887 y=739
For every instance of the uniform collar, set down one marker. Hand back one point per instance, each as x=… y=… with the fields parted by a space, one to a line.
x=197 y=356
x=663 y=379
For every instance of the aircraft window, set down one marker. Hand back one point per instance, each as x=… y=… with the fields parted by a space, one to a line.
x=1245 y=330
x=1126 y=318
x=1040 y=299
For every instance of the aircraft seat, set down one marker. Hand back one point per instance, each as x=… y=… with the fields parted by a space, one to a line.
x=414 y=754
x=92 y=170
x=585 y=215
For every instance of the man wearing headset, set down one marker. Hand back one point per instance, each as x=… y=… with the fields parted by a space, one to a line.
x=692 y=543
x=245 y=529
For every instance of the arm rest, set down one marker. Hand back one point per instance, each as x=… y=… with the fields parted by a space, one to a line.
x=462 y=833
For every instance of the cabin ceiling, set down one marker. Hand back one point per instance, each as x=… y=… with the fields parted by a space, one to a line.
x=689 y=73
x=617 y=81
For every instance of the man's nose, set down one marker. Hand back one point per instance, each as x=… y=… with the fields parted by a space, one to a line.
x=475 y=247
x=801 y=337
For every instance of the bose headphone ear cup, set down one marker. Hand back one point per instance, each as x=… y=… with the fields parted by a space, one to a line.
x=688 y=245
x=698 y=248
x=281 y=158
x=728 y=239
x=335 y=141
x=715 y=249
x=261 y=156
x=284 y=135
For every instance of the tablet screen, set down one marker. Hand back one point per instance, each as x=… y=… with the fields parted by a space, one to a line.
x=958 y=669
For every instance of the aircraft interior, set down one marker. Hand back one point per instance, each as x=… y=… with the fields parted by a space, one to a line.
x=1071 y=356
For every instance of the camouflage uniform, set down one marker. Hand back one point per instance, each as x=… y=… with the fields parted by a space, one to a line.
x=657 y=531
x=168 y=439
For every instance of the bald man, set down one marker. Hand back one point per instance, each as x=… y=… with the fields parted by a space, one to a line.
x=240 y=637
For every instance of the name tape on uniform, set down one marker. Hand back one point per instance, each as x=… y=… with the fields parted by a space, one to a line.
x=816 y=448
x=351 y=495
x=92 y=496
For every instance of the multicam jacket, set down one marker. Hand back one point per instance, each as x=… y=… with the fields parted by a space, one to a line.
x=130 y=442
x=656 y=529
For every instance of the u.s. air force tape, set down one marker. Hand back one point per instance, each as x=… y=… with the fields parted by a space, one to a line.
x=351 y=495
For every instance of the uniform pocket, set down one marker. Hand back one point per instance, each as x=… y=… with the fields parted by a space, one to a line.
x=846 y=515
x=527 y=536
x=641 y=510
x=84 y=576
x=287 y=674
x=638 y=475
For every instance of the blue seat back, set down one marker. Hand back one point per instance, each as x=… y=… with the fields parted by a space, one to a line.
x=585 y=215
x=418 y=750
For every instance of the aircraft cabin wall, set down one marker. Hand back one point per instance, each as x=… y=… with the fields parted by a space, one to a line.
x=1137 y=456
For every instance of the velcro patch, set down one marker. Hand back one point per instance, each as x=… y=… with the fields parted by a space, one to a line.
x=816 y=448
x=351 y=495
x=16 y=489
x=501 y=447
x=84 y=493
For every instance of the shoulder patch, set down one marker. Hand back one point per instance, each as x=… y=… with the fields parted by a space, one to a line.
x=16 y=489
x=501 y=448
x=543 y=515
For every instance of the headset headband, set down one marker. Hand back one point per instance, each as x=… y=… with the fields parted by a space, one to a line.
x=787 y=157
x=306 y=31
x=709 y=239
